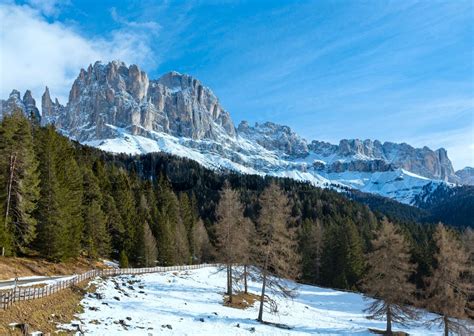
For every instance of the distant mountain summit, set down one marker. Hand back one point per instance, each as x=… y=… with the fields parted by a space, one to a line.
x=118 y=108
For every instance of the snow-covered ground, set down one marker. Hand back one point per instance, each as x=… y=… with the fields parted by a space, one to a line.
x=190 y=303
x=33 y=281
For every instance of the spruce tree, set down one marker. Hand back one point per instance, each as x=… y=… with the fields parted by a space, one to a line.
x=311 y=245
x=189 y=218
x=69 y=198
x=387 y=278
x=342 y=257
x=96 y=239
x=203 y=249
x=149 y=246
x=167 y=221
x=52 y=233
x=125 y=205
x=19 y=180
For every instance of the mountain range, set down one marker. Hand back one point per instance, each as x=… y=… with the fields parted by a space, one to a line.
x=117 y=108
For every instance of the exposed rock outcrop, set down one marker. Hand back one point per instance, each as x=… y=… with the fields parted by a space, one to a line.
x=275 y=137
x=107 y=97
x=110 y=104
x=466 y=175
x=14 y=102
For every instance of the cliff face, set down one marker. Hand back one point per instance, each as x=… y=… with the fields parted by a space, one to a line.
x=421 y=161
x=466 y=175
x=115 y=95
x=14 y=102
x=118 y=108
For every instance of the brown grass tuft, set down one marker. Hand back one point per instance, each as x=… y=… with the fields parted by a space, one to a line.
x=240 y=300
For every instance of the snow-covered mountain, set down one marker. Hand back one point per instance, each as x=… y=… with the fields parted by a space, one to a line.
x=119 y=109
x=466 y=175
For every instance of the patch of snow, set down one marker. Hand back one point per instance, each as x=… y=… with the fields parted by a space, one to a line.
x=190 y=303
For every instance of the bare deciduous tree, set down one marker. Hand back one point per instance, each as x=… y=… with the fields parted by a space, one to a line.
x=447 y=289
x=387 y=278
x=230 y=228
x=276 y=245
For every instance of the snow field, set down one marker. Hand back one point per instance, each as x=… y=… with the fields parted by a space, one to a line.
x=190 y=303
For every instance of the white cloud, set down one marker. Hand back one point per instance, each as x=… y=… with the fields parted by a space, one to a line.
x=36 y=53
x=48 y=7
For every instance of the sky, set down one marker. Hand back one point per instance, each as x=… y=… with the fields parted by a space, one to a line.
x=400 y=71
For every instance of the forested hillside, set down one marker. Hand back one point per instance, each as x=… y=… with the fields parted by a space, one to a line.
x=61 y=199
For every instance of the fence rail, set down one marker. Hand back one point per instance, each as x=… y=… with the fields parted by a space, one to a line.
x=24 y=293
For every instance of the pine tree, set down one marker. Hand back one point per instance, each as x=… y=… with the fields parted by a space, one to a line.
x=342 y=257
x=123 y=259
x=189 y=218
x=19 y=180
x=96 y=237
x=311 y=249
x=69 y=198
x=169 y=250
x=276 y=245
x=202 y=246
x=52 y=233
x=448 y=291
x=149 y=244
x=125 y=205
x=387 y=278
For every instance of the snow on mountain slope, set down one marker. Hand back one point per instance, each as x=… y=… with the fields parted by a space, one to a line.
x=190 y=303
x=248 y=157
x=116 y=107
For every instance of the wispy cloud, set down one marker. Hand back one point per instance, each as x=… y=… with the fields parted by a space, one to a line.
x=37 y=52
x=152 y=27
x=49 y=7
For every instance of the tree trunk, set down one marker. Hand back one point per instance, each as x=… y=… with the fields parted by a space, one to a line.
x=230 y=284
x=446 y=325
x=245 y=279
x=262 y=297
x=389 y=321
x=9 y=193
x=10 y=183
x=264 y=283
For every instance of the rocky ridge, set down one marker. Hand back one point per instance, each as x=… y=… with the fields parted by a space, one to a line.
x=118 y=108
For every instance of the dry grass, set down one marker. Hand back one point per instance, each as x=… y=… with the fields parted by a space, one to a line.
x=17 y=267
x=241 y=300
x=45 y=313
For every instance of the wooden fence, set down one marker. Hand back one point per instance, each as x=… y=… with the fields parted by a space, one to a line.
x=7 y=298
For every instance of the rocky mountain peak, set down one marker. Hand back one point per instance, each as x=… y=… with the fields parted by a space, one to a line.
x=466 y=175
x=117 y=107
x=14 y=102
x=50 y=110
x=107 y=98
x=275 y=137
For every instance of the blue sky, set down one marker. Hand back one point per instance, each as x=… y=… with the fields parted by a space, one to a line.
x=398 y=71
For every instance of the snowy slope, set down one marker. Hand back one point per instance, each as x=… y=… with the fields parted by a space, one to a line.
x=119 y=109
x=190 y=302
x=248 y=157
